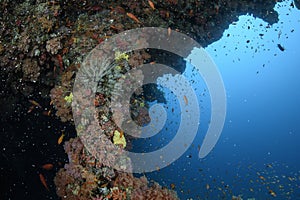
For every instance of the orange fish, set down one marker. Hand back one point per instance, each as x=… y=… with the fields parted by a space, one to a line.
x=130 y=15
x=60 y=139
x=51 y=102
x=151 y=4
x=185 y=100
x=167 y=15
x=272 y=193
x=60 y=62
x=48 y=166
x=262 y=178
x=33 y=102
x=169 y=31
x=172 y=185
x=31 y=108
x=43 y=181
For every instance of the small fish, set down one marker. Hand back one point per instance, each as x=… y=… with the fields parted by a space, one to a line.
x=60 y=62
x=262 y=178
x=269 y=166
x=131 y=16
x=33 y=102
x=185 y=100
x=31 y=108
x=51 y=102
x=167 y=14
x=279 y=34
x=43 y=181
x=207 y=186
x=47 y=166
x=60 y=139
x=172 y=186
x=152 y=63
x=169 y=31
x=151 y=4
x=280 y=47
x=272 y=193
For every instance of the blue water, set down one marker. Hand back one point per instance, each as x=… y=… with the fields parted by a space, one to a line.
x=258 y=151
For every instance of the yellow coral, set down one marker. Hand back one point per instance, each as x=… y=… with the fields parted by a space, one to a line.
x=119 y=56
x=118 y=67
x=119 y=139
x=69 y=98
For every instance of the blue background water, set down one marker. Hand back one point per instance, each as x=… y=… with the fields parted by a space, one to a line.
x=258 y=150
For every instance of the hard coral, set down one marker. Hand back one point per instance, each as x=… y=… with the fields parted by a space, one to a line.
x=80 y=177
x=57 y=95
x=138 y=58
x=73 y=148
x=117 y=194
x=31 y=70
x=60 y=91
x=75 y=182
x=53 y=45
x=140 y=189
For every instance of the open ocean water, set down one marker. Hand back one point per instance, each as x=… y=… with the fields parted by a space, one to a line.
x=257 y=155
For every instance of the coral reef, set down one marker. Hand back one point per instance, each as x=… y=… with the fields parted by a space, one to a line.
x=40 y=30
x=61 y=93
x=85 y=178
x=139 y=188
x=63 y=109
x=80 y=178
x=31 y=70
x=138 y=58
x=24 y=42
x=53 y=45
